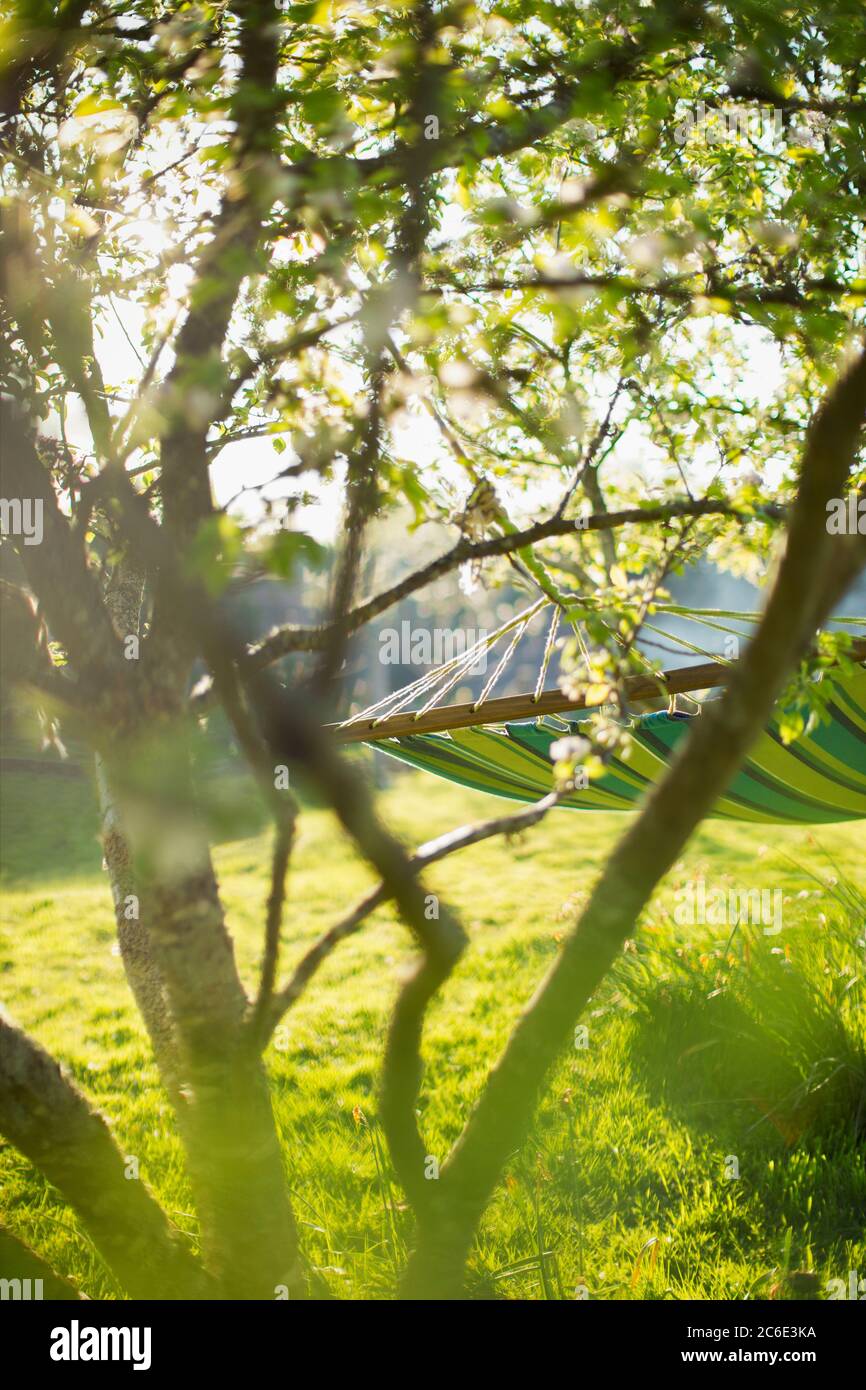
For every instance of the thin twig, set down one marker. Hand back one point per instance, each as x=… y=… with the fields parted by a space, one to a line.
x=423 y=857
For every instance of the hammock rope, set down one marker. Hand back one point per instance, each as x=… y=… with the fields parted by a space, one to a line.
x=548 y=651
x=443 y=677
x=502 y=663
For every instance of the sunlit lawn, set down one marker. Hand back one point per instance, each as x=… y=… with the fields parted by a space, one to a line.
x=631 y=1142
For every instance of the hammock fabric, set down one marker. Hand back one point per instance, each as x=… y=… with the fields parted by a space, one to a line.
x=818 y=779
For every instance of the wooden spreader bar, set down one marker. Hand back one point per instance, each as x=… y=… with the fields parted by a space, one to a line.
x=444 y=717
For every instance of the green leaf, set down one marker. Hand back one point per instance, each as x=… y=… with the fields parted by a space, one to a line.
x=288 y=550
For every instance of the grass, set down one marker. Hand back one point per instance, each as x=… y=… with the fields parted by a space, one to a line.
x=699 y=1050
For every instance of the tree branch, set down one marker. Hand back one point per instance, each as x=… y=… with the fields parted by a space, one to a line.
x=229 y=257
x=58 y=574
x=283 y=839
x=286 y=640
x=808 y=583
x=783 y=295
x=606 y=66
x=18 y=1261
x=44 y=1116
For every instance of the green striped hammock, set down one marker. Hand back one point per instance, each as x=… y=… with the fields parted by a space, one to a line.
x=820 y=778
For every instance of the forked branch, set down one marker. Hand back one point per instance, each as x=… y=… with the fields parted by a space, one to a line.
x=809 y=582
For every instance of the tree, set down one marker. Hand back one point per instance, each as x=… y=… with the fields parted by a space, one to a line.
x=540 y=225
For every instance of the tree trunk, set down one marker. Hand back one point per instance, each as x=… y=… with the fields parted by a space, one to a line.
x=249 y=1238
x=180 y=964
x=123 y=599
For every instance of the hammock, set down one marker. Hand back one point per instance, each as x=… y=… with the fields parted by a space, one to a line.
x=820 y=778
